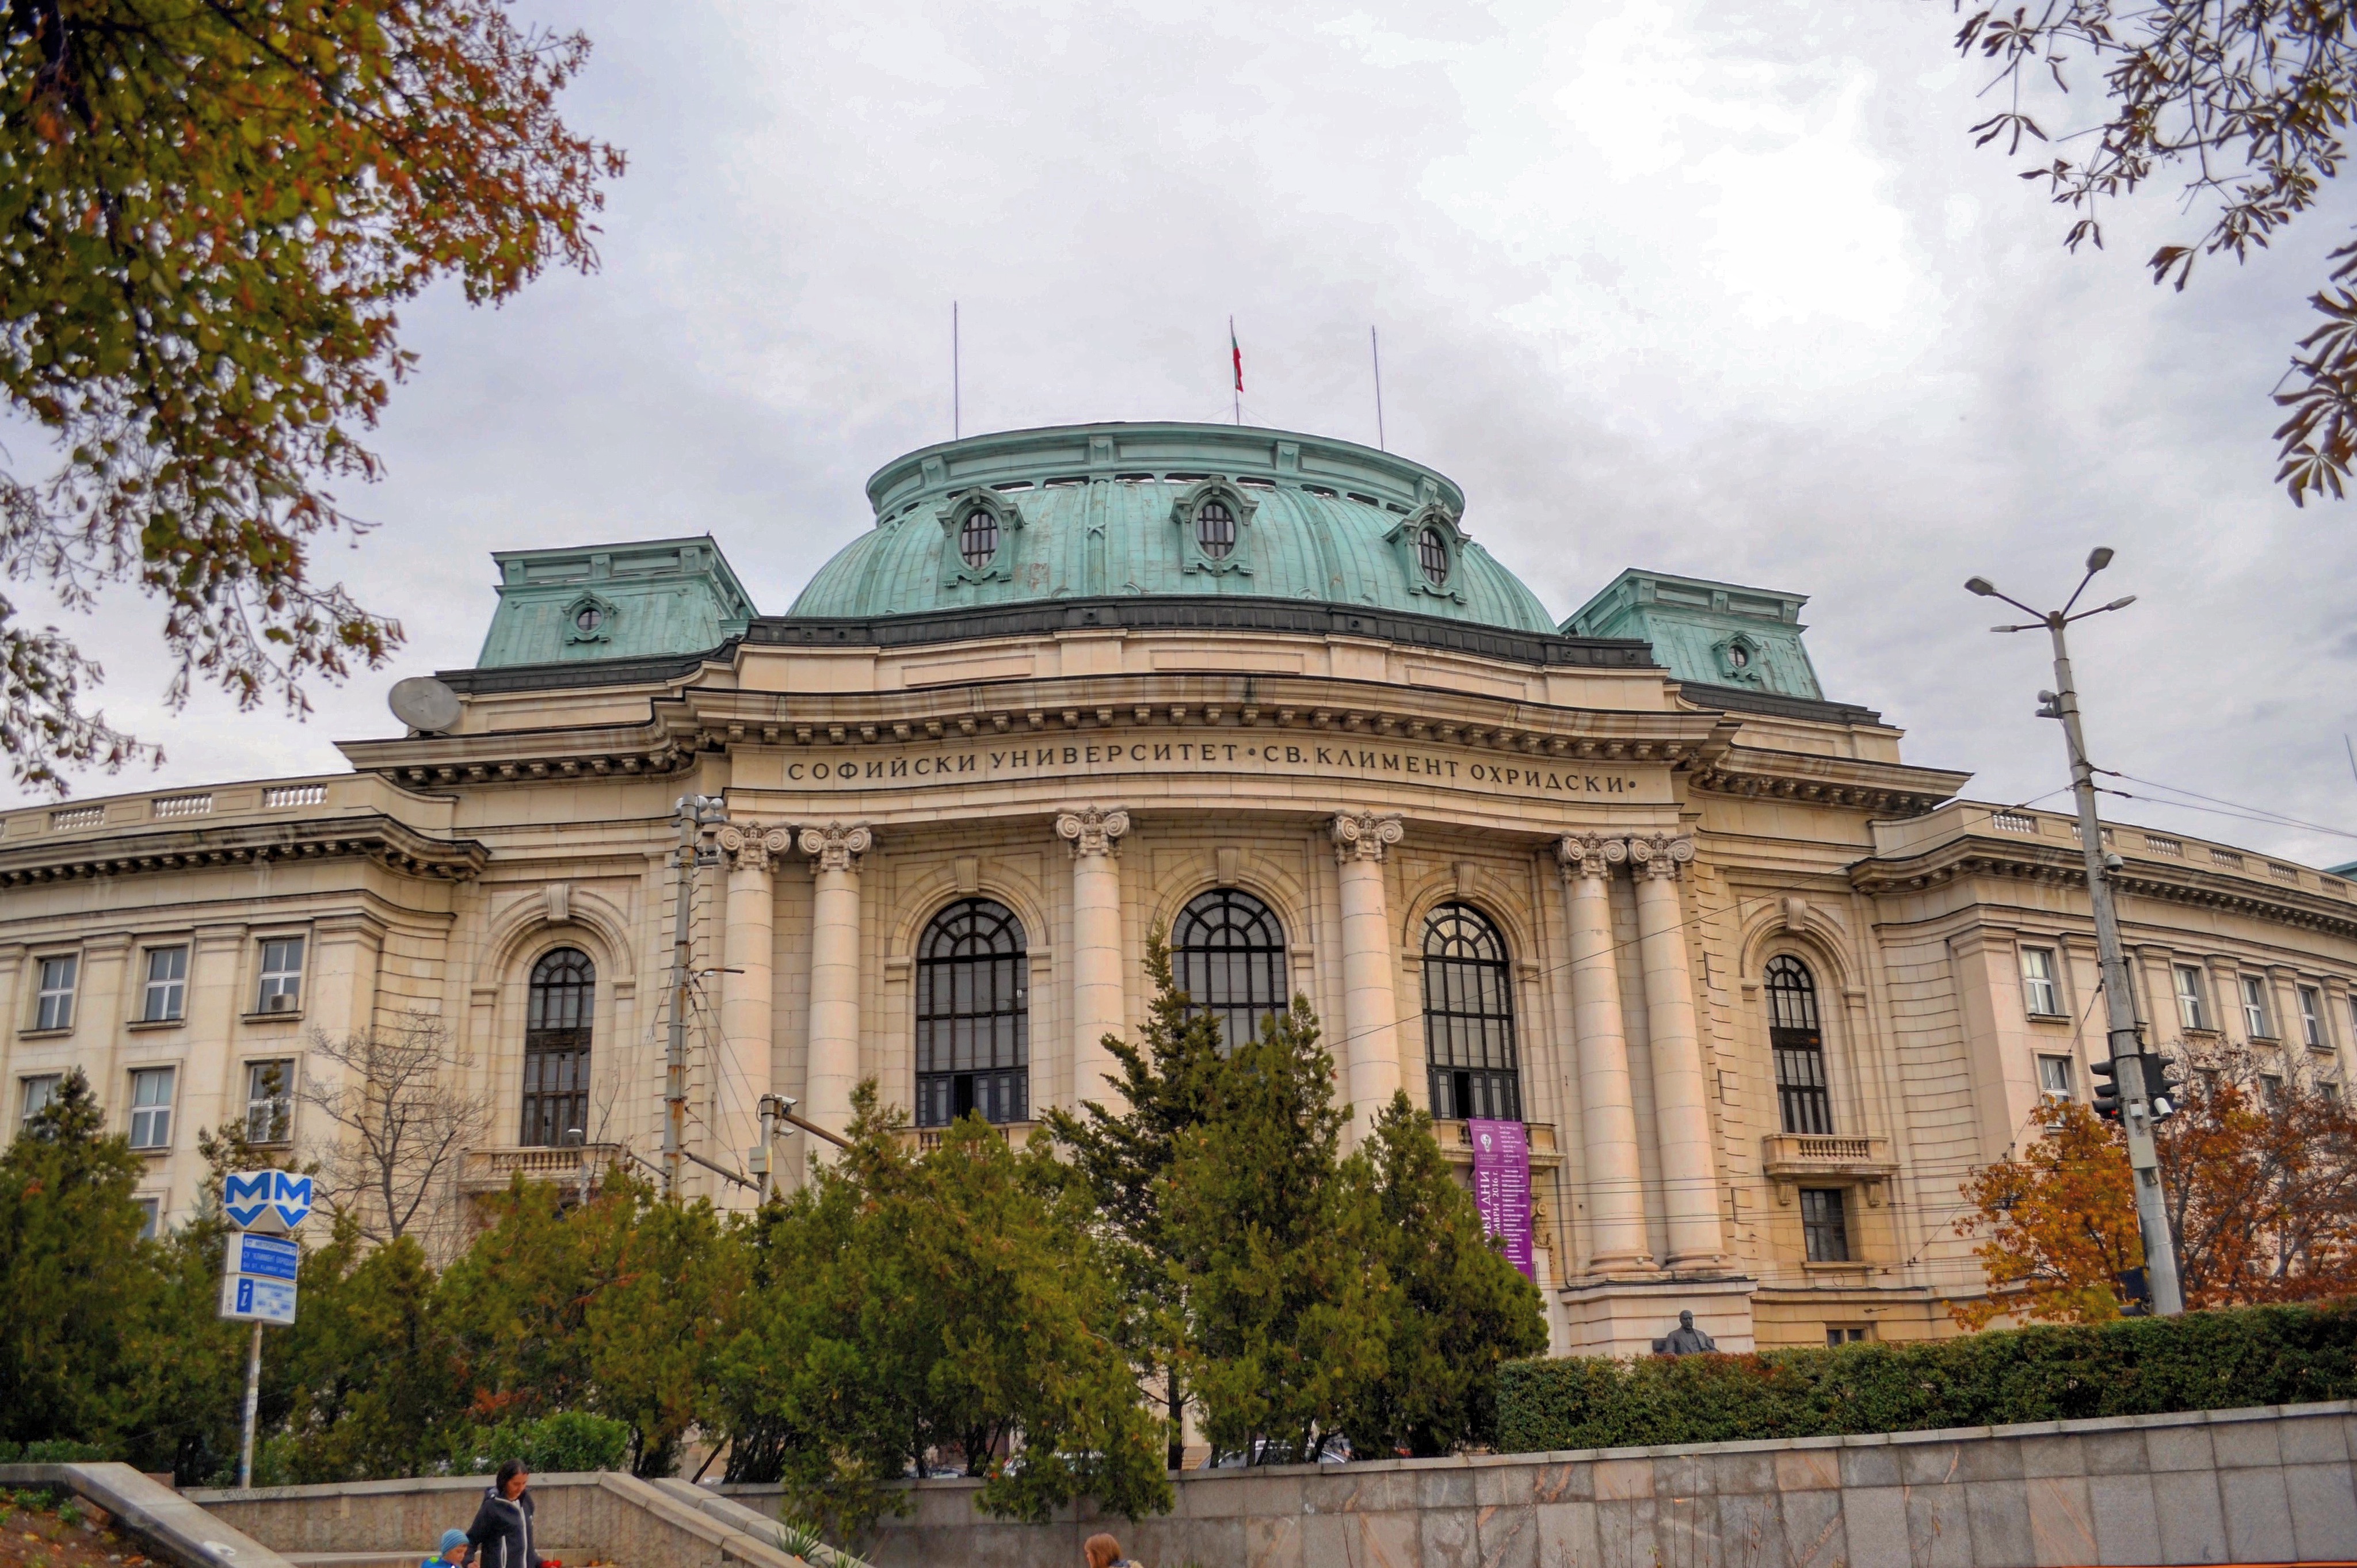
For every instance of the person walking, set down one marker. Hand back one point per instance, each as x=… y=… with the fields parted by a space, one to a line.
x=1104 y=1552
x=502 y=1532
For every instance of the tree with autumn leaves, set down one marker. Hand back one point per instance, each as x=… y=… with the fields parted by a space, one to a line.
x=210 y=215
x=2259 y=1169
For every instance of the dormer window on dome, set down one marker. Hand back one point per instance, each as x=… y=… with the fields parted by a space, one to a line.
x=1215 y=529
x=978 y=527
x=589 y=619
x=978 y=538
x=1432 y=556
x=1215 y=515
x=1742 y=661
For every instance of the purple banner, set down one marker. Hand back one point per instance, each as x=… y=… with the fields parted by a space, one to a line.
x=1501 y=1186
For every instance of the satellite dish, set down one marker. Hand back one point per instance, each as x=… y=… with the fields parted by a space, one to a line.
x=425 y=703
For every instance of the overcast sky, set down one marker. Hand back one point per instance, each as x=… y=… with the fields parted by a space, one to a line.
x=1720 y=289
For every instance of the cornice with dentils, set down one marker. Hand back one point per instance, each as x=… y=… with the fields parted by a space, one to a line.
x=117 y=853
x=1973 y=856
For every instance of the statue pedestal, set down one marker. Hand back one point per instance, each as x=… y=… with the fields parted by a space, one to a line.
x=1623 y=1317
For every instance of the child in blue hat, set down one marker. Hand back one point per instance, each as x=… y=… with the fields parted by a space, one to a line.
x=454 y=1550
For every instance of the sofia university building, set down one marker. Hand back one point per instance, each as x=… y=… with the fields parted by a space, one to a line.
x=1764 y=991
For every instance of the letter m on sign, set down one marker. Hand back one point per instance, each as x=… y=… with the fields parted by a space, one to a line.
x=245 y=1194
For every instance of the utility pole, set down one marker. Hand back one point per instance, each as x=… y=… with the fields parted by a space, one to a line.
x=693 y=811
x=2119 y=995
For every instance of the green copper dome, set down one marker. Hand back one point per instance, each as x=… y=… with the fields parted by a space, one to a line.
x=1095 y=510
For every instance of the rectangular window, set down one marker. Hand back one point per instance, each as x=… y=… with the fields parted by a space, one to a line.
x=269 y=1100
x=151 y=1211
x=2190 y=1011
x=1824 y=1228
x=151 y=1107
x=38 y=1093
x=56 y=1006
x=166 y=995
x=2054 y=1077
x=1843 y=1334
x=2254 y=1008
x=2311 y=1016
x=2039 y=994
x=2271 y=1091
x=282 y=976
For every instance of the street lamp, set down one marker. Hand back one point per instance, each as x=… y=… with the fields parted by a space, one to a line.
x=2119 y=1000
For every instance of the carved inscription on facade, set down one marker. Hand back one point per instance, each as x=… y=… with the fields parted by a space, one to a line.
x=1505 y=775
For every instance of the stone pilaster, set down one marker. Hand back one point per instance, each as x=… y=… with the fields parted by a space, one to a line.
x=747 y=997
x=1370 y=1002
x=1094 y=834
x=834 y=852
x=1616 y=1205
x=1681 y=1120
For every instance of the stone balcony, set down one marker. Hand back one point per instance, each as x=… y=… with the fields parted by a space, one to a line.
x=1546 y=1154
x=491 y=1170
x=924 y=1140
x=1791 y=1158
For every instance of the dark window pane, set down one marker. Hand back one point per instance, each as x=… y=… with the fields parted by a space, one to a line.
x=1431 y=555
x=1802 y=1096
x=1215 y=529
x=559 y=1007
x=1468 y=1017
x=1824 y=1227
x=978 y=538
x=973 y=1017
x=1228 y=950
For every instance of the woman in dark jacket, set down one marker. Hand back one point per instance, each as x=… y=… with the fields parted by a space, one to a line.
x=501 y=1536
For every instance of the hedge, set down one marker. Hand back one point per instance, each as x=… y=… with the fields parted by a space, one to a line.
x=2140 y=1366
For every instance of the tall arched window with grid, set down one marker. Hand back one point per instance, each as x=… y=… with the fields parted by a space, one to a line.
x=973 y=1015
x=1799 y=1043
x=559 y=1011
x=1468 y=1017
x=1227 y=949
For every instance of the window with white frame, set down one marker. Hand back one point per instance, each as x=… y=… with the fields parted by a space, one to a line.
x=166 y=998
x=2311 y=1016
x=282 y=976
x=2054 y=1077
x=151 y=1212
x=39 y=1091
x=269 y=1100
x=2039 y=995
x=2254 y=1008
x=151 y=1107
x=2191 y=1013
x=53 y=1006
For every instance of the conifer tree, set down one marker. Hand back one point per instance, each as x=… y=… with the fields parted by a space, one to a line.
x=1457 y=1307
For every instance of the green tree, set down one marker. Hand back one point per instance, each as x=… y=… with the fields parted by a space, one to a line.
x=1457 y=1308
x=948 y=1303
x=1275 y=1259
x=212 y=215
x=370 y=1376
x=75 y=1278
x=657 y=1326
x=516 y=1304
x=1167 y=1084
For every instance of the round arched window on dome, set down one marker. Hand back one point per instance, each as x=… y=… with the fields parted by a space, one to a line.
x=1215 y=529
x=589 y=619
x=1432 y=556
x=1738 y=656
x=978 y=538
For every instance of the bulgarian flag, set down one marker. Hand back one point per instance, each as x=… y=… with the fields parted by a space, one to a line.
x=1236 y=352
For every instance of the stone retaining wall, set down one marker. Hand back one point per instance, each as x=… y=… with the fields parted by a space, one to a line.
x=2244 y=1486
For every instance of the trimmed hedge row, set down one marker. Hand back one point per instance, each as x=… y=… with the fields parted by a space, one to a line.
x=2142 y=1366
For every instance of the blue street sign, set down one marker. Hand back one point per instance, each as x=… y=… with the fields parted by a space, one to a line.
x=273 y=1201
x=265 y=1256
x=245 y=1194
x=255 y=1298
x=290 y=1198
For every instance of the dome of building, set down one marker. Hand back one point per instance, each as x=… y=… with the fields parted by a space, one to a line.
x=1103 y=510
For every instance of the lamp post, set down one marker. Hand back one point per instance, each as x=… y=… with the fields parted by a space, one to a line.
x=2119 y=1000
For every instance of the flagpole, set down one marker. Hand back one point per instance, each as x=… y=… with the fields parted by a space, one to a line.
x=1376 y=348
x=1236 y=357
x=957 y=409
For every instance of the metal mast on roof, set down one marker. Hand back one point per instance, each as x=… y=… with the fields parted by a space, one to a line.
x=1375 y=348
x=957 y=411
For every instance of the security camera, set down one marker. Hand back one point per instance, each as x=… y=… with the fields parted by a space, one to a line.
x=2112 y=861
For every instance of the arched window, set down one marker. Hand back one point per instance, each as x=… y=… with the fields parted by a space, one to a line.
x=978 y=538
x=1432 y=556
x=556 y=1049
x=1215 y=529
x=1228 y=950
x=1468 y=1017
x=974 y=1016
x=1800 y=1047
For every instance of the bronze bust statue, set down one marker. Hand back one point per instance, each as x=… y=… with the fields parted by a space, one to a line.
x=1686 y=1340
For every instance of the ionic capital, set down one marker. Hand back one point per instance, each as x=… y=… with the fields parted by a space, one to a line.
x=1591 y=855
x=749 y=846
x=1092 y=830
x=1660 y=855
x=1364 y=835
x=837 y=846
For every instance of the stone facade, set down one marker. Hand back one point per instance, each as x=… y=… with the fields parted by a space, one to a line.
x=1657 y=853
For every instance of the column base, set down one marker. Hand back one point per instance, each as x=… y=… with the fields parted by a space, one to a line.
x=1624 y=1316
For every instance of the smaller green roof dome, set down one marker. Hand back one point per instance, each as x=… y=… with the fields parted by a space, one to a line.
x=1099 y=510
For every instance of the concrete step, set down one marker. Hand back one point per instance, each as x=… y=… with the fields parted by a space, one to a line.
x=570 y=1556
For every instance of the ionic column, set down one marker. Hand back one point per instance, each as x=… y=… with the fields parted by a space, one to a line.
x=1094 y=834
x=1681 y=1120
x=835 y=851
x=1369 y=1003
x=746 y=995
x=1616 y=1205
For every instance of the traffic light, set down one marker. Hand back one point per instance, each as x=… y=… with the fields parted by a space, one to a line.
x=2163 y=1080
x=2108 y=1086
